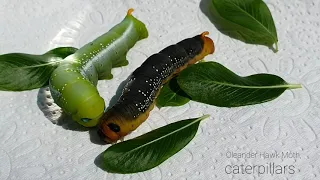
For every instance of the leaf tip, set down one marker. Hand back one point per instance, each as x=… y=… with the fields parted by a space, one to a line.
x=158 y=105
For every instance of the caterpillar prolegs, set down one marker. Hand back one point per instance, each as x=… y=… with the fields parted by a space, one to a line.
x=73 y=83
x=139 y=94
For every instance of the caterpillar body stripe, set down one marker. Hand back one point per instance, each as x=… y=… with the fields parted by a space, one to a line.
x=73 y=83
x=144 y=84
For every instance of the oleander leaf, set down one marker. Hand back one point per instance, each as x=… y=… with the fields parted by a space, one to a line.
x=172 y=95
x=247 y=20
x=20 y=72
x=151 y=149
x=211 y=83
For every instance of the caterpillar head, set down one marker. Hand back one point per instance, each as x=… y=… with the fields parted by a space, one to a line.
x=90 y=111
x=112 y=127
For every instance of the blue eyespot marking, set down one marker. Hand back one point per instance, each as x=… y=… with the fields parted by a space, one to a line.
x=86 y=120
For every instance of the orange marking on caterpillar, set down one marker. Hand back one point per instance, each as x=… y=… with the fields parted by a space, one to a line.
x=130 y=11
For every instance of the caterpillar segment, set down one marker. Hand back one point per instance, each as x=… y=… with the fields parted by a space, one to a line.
x=144 y=84
x=73 y=83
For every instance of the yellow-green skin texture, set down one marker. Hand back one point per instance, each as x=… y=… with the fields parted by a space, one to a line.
x=73 y=83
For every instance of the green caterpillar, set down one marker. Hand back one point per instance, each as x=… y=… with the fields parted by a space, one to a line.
x=73 y=83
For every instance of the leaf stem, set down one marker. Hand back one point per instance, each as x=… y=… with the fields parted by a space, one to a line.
x=294 y=86
x=204 y=117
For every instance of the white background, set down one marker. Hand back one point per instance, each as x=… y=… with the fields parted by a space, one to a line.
x=32 y=147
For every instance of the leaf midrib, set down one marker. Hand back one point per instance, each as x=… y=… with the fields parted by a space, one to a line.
x=253 y=87
x=172 y=96
x=169 y=134
x=274 y=38
x=38 y=65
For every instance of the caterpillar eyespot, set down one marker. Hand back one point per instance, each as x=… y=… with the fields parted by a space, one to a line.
x=144 y=84
x=114 y=127
x=73 y=83
x=85 y=120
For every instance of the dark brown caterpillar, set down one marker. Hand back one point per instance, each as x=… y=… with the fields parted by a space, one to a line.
x=143 y=85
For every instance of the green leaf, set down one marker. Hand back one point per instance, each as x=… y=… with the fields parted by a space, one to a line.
x=172 y=95
x=213 y=84
x=19 y=72
x=247 y=20
x=149 y=150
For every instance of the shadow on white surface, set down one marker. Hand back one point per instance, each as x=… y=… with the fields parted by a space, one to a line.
x=56 y=115
x=119 y=90
x=98 y=161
